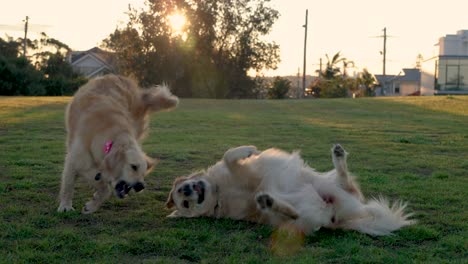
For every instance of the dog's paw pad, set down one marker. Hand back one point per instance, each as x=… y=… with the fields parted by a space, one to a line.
x=89 y=208
x=248 y=151
x=63 y=209
x=338 y=150
x=265 y=201
x=252 y=151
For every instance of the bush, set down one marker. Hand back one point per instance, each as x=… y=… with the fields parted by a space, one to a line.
x=279 y=88
x=19 y=77
x=52 y=76
x=328 y=88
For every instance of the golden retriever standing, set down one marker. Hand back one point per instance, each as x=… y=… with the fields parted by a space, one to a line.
x=278 y=188
x=105 y=122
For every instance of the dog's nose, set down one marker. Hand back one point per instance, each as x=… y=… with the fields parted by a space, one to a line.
x=187 y=190
x=138 y=186
x=122 y=188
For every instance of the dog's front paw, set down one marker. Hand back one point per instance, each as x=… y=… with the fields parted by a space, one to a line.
x=240 y=153
x=264 y=201
x=65 y=208
x=248 y=151
x=89 y=208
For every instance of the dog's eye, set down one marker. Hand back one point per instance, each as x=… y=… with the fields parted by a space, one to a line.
x=185 y=204
x=134 y=167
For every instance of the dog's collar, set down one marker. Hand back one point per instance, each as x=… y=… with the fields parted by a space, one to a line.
x=108 y=146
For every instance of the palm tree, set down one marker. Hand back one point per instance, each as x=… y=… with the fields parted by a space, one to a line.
x=332 y=69
x=346 y=64
x=368 y=80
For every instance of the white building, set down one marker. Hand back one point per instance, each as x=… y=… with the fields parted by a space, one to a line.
x=447 y=73
x=408 y=82
x=454 y=45
x=92 y=63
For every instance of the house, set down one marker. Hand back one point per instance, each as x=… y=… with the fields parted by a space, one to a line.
x=92 y=63
x=447 y=73
x=406 y=82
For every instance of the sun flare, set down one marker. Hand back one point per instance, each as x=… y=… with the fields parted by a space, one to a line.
x=177 y=22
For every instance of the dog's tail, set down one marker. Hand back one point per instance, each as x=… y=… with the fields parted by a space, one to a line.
x=159 y=98
x=379 y=219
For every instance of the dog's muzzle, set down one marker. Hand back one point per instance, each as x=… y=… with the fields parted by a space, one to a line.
x=138 y=187
x=123 y=188
x=198 y=188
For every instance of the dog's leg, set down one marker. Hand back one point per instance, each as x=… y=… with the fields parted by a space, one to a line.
x=102 y=193
x=67 y=186
x=339 y=160
x=266 y=202
x=233 y=155
x=344 y=179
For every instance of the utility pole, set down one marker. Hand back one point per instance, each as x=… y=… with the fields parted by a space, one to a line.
x=25 y=35
x=298 y=90
x=305 y=52
x=384 y=53
x=384 y=49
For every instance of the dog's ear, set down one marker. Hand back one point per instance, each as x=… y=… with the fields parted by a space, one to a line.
x=175 y=214
x=170 y=201
x=150 y=164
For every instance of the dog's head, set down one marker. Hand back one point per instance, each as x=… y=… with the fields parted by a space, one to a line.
x=192 y=196
x=125 y=167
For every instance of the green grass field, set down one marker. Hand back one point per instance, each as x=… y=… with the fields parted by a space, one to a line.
x=413 y=148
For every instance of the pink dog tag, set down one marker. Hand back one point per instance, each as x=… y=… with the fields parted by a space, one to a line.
x=108 y=146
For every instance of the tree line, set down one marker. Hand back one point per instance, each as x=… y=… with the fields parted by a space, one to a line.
x=221 y=42
x=333 y=81
x=211 y=56
x=45 y=72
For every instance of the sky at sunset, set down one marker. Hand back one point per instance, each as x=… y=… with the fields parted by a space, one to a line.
x=349 y=26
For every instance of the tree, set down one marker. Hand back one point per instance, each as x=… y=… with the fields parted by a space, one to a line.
x=51 y=74
x=220 y=43
x=9 y=48
x=17 y=75
x=59 y=78
x=333 y=88
x=51 y=58
x=332 y=69
x=368 y=80
x=279 y=89
x=332 y=83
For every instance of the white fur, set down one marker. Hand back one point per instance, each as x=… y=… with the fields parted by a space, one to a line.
x=278 y=188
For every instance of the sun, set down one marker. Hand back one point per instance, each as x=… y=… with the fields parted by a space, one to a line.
x=177 y=22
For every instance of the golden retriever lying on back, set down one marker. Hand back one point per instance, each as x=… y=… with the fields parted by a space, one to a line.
x=278 y=188
x=105 y=122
